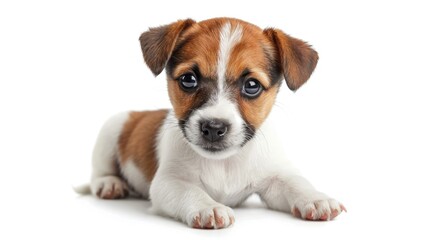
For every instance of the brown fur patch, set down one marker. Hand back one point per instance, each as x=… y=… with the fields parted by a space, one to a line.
x=297 y=59
x=157 y=44
x=255 y=111
x=199 y=45
x=180 y=100
x=138 y=139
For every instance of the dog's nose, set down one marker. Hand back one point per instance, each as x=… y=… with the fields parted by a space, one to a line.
x=213 y=130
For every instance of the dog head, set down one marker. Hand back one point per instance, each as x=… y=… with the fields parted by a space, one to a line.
x=223 y=77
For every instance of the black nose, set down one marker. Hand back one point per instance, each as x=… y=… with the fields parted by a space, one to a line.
x=213 y=130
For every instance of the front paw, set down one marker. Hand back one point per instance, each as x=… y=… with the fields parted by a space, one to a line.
x=212 y=218
x=317 y=206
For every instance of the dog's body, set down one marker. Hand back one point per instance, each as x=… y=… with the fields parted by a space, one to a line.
x=215 y=147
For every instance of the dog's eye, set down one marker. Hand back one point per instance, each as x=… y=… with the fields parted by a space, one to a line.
x=252 y=88
x=188 y=81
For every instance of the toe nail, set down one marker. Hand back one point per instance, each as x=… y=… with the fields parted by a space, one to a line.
x=309 y=215
x=196 y=222
x=343 y=208
x=296 y=212
x=231 y=220
x=334 y=213
x=210 y=223
x=220 y=222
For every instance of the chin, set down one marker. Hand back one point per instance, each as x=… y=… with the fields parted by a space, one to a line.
x=215 y=155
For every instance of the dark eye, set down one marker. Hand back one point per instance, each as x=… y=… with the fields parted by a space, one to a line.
x=188 y=81
x=252 y=88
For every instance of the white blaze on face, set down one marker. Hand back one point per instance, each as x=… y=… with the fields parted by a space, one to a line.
x=219 y=106
x=228 y=39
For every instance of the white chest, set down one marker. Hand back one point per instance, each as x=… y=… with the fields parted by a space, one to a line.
x=227 y=182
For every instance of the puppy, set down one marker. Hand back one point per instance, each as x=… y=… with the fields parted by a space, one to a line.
x=214 y=148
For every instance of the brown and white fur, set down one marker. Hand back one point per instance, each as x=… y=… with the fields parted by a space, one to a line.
x=164 y=156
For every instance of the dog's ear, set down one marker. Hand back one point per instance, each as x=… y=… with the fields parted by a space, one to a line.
x=296 y=58
x=158 y=43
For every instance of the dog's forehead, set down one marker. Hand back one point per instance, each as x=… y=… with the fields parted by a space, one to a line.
x=240 y=46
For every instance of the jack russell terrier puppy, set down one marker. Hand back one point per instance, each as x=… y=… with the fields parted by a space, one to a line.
x=214 y=148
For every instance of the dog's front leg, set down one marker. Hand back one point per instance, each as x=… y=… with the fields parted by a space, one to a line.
x=293 y=193
x=189 y=203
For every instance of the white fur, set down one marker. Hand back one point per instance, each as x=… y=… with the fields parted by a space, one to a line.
x=228 y=39
x=136 y=178
x=105 y=157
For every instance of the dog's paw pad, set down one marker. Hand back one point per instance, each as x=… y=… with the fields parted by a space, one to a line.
x=212 y=218
x=319 y=208
x=109 y=187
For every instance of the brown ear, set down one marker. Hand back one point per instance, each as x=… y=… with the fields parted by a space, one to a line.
x=296 y=58
x=158 y=43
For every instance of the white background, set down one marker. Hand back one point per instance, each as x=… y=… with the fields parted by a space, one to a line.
x=358 y=129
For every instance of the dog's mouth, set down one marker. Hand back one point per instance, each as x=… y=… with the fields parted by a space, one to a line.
x=214 y=152
x=212 y=148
